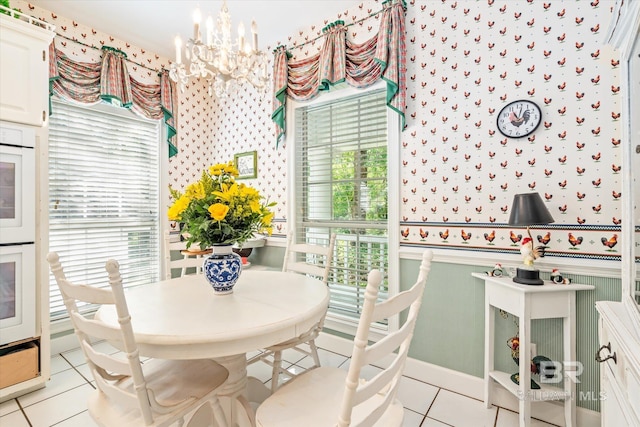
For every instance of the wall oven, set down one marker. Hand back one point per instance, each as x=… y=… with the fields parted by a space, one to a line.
x=17 y=233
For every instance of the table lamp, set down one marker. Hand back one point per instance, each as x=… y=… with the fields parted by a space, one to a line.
x=529 y=209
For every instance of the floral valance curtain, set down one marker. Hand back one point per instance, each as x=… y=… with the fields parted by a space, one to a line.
x=109 y=80
x=360 y=65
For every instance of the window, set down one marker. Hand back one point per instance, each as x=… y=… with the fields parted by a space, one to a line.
x=341 y=186
x=103 y=196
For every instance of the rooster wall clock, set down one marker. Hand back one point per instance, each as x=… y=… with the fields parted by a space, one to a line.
x=519 y=118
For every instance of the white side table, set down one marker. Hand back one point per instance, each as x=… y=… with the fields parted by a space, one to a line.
x=528 y=303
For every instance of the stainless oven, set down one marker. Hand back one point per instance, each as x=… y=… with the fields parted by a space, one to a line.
x=17 y=233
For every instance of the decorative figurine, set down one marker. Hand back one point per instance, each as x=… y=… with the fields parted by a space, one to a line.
x=497 y=271
x=529 y=252
x=514 y=344
x=556 y=277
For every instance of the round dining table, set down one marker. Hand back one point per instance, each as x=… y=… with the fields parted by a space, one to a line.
x=183 y=318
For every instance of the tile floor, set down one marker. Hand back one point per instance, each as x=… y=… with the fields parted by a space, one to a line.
x=62 y=403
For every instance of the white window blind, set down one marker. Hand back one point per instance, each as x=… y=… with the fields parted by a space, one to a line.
x=341 y=187
x=103 y=196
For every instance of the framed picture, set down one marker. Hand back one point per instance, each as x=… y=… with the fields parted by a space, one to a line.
x=247 y=164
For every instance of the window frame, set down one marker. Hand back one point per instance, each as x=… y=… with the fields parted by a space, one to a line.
x=62 y=325
x=337 y=92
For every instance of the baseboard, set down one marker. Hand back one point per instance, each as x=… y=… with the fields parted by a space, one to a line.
x=63 y=342
x=469 y=385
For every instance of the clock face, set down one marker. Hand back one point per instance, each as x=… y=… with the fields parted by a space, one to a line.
x=519 y=119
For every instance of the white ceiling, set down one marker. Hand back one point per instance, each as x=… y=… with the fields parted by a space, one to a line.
x=154 y=24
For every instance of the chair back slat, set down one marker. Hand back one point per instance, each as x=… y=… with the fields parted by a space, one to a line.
x=86 y=293
x=115 y=367
x=304 y=268
x=188 y=262
x=395 y=304
x=95 y=329
x=308 y=248
x=117 y=395
x=377 y=411
x=311 y=259
x=384 y=380
x=184 y=262
x=389 y=343
x=378 y=393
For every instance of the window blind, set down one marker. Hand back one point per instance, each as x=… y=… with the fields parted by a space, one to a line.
x=341 y=187
x=103 y=196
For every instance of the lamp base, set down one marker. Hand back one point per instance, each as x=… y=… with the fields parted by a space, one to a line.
x=528 y=277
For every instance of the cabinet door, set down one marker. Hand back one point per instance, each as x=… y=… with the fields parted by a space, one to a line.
x=613 y=411
x=23 y=75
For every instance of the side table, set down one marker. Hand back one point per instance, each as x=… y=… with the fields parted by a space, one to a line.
x=528 y=303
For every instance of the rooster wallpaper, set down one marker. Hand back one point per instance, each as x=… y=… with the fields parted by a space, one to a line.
x=467 y=60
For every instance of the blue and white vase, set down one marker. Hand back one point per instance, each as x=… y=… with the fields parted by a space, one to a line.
x=222 y=269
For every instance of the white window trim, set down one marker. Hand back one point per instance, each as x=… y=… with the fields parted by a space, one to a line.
x=334 y=322
x=64 y=326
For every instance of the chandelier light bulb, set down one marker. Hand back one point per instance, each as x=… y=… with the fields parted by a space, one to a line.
x=241 y=37
x=209 y=31
x=178 y=42
x=197 y=17
x=254 y=32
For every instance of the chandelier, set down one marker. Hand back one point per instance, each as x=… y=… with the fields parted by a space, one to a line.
x=224 y=64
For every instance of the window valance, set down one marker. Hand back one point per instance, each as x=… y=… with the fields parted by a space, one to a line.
x=109 y=80
x=341 y=60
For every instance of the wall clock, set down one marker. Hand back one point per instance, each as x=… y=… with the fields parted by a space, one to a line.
x=519 y=118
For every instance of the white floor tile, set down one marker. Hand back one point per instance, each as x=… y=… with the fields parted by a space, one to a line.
x=75 y=357
x=411 y=419
x=14 y=419
x=83 y=419
x=327 y=358
x=293 y=356
x=508 y=418
x=85 y=371
x=430 y=422
x=8 y=407
x=59 y=383
x=59 y=407
x=59 y=364
x=460 y=411
x=260 y=370
x=416 y=395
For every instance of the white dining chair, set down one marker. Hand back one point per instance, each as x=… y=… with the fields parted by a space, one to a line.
x=130 y=393
x=313 y=260
x=189 y=262
x=328 y=397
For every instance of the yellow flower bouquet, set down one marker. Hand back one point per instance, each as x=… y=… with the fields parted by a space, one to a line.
x=216 y=210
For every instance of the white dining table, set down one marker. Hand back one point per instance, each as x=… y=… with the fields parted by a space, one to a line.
x=182 y=318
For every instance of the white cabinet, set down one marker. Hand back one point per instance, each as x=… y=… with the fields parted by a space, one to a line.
x=24 y=91
x=619 y=327
x=620 y=368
